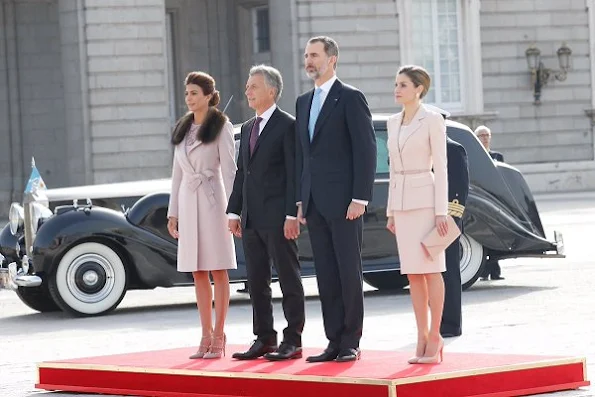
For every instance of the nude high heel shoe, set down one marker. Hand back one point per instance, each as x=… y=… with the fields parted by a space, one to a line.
x=217 y=348
x=205 y=343
x=435 y=359
x=415 y=359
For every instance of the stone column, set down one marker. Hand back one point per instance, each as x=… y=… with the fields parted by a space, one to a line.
x=76 y=92
x=11 y=164
x=285 y=49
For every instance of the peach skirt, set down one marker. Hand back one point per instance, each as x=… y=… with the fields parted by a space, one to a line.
x=411 y=227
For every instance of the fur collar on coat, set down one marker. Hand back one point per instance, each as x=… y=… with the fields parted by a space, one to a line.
x=209 y=130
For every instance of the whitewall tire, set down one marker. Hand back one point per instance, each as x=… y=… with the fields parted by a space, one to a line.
x=473 y=259
x=90 y=280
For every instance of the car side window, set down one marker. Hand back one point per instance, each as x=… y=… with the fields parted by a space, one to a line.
x=381 y=152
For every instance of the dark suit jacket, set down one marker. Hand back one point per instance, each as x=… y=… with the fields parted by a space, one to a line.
x=458 y=176
x=264 y=186
x=340 y=163
x=496 y=155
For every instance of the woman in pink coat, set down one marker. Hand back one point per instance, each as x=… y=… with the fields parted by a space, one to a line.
x=202 y=179
x=417 y=203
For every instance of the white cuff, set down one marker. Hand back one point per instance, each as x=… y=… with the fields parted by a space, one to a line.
x=363 y=202
x=233 y=216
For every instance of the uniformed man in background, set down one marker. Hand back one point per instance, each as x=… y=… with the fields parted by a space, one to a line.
x=458 y=189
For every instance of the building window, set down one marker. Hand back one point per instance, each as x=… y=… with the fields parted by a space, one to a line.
x=437 y=46
x=443 y=37
x=260 y=22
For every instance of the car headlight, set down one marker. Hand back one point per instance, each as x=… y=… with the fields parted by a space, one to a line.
x=39 y=212
x=16 y=218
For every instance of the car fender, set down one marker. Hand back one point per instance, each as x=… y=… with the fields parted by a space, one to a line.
x=147 y=256
x=8 y=243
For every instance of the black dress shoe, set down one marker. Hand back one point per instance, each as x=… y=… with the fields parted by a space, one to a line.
x=285 y=352
x=328 y=354
x=258 y=349
x=346 y=355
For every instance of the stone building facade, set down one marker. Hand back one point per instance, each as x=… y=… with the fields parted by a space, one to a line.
x=91 y=88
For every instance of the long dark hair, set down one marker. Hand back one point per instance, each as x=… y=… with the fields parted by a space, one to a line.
x=214 y=120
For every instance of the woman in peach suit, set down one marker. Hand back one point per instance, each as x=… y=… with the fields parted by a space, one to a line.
x=417 y=202
x=202 y=180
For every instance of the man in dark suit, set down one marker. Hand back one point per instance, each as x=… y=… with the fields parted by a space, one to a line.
x=263 y=212
x=484 y=134
x=336 y=164
x=458 y=190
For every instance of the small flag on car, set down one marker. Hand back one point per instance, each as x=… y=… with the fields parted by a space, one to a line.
x=36 y=186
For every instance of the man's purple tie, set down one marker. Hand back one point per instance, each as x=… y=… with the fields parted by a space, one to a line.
x=254 y=134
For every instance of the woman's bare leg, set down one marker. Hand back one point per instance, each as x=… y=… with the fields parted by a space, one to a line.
x=435 y=284
x=221 y=280
x=419 y=297
x=204 y=301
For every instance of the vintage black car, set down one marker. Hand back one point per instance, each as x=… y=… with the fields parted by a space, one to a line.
x=96 y=242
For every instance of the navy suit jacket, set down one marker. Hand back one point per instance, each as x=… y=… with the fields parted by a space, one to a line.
x=340 y=163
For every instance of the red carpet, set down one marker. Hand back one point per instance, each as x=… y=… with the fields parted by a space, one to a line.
x=387 y=374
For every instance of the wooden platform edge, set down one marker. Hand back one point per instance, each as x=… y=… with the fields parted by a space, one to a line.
x=319 y=378
x=215 y=374
x=114 y=391
x=493 y=370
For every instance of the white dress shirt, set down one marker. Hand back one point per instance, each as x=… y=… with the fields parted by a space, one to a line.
x=326 y=87
x=266 y=115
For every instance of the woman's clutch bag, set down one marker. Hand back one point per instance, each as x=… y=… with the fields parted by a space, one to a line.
x=434 y=243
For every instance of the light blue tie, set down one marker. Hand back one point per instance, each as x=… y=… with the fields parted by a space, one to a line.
x=314 y=112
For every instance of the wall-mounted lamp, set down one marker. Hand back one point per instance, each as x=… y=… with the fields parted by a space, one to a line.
x=540 y=74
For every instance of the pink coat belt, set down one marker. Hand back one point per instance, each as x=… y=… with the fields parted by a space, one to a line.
x=410 y=172
x=205 y=179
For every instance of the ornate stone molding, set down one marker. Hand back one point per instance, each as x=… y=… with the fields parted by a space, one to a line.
x=591 y=115
x=474 y=120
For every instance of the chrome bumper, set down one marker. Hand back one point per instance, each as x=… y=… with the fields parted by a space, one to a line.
x=11 y=278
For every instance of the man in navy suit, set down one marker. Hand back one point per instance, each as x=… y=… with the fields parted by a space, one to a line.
x=336 y=165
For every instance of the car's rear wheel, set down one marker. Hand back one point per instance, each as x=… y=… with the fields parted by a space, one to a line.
x=386 y=281
x=473 y=259
x=90 y=279
x=37 y=298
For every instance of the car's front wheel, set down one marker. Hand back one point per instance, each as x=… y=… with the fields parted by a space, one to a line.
x=37 y=298
x=90 y=279
x=473 y=259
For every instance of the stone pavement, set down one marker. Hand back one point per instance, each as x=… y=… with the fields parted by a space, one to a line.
x=544 y=306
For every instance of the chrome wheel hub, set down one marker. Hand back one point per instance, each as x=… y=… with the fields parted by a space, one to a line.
x=90 y=278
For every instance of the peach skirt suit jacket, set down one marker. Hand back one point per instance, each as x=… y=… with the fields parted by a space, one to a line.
x=416 y=194
x=202 y=181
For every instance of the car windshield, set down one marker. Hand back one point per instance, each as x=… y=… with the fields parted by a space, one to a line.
x=381 y=151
